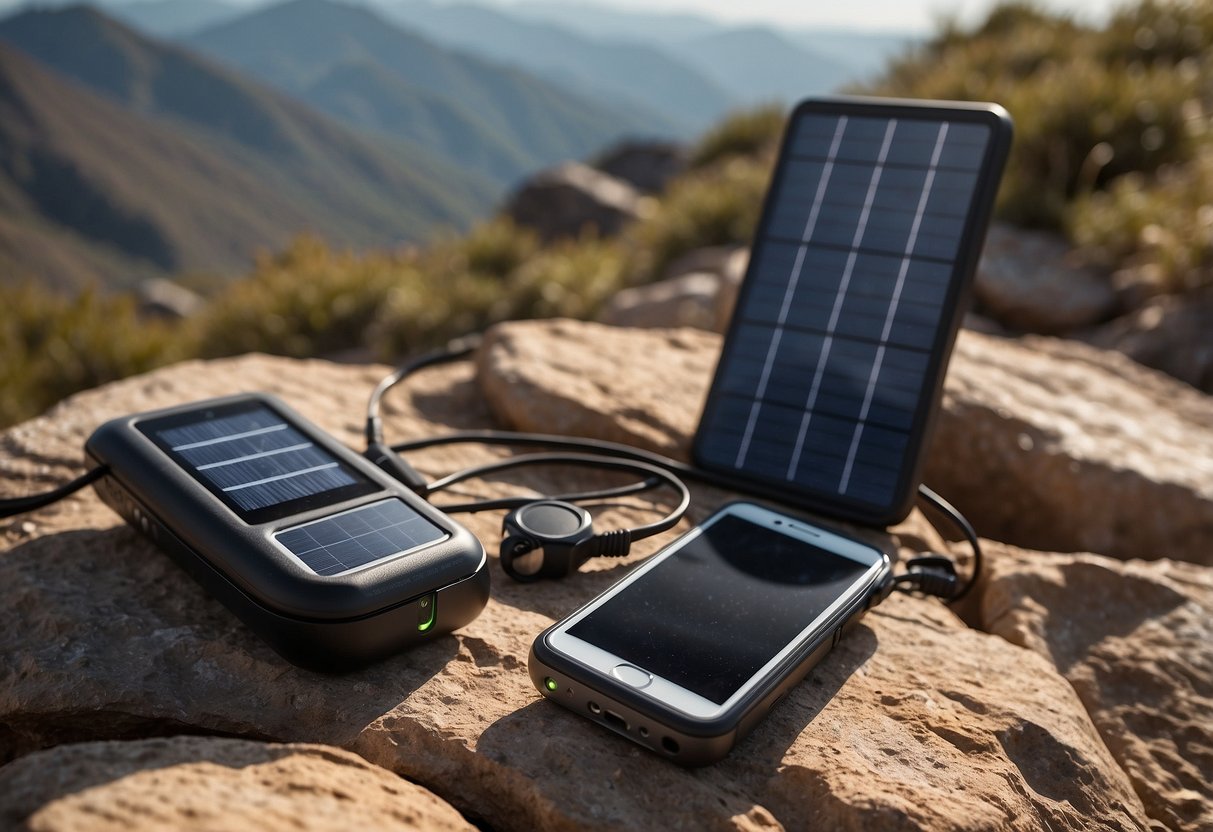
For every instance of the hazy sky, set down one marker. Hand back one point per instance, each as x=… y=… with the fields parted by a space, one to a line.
x=917 y=15
x=869 y=14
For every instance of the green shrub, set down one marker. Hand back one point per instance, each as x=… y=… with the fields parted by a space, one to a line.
x=750 y=133
x=306 y=301
x=496 y=247
x=711 y=207
x=1159 y=228
x=54 y=346
x=1091 y=107
x=445 y=298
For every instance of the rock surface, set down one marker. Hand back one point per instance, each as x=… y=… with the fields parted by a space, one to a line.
x=698 y=291
x=1026 y=281
x=1046 y=443
x=1169 y=333
x=686 y=300
x=209 y=783
x=1058 y=446
x=916 y=722
x=1135 y=640
x=572 y=198
x=646 y=166
x=564 y=377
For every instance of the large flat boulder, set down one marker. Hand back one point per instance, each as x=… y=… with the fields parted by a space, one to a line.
x=209 y=783
x=1045 y=443
x=916 y=722
x=1059 y=446
x=1135 y=639
x=643 y=387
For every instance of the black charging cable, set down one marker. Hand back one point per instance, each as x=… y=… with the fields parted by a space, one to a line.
x=930 y=574
x=19 y=505
x=551 y=537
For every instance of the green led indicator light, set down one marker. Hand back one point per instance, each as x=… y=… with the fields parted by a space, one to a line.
x=551 y=684
x=429 y=613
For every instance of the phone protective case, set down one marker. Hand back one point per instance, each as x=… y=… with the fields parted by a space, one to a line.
x=670 y=733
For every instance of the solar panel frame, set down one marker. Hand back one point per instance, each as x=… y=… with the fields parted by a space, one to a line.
x=864 y=493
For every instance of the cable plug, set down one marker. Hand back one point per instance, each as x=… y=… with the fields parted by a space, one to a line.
x=394 y=464
x=933 y=575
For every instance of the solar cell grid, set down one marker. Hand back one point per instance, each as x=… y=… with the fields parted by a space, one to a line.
x=256 y=459
x=822 y=377
x=359 y=537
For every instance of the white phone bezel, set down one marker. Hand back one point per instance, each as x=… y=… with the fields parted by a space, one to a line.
x=674 y=695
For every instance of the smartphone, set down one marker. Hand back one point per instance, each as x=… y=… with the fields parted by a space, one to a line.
x=686 y=654
x=832 y=368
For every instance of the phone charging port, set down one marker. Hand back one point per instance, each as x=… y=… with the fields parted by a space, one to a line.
x=615 y=721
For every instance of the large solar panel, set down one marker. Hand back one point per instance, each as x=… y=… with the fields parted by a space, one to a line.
x=848 y=306
x=359 y=537
x=256 y=462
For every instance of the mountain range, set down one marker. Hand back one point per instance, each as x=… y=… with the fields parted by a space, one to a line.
x=496 y=120
x=169 y=136
x=673 y=93
x=283 y=167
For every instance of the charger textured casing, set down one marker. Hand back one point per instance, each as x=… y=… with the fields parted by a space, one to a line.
x=332 y=623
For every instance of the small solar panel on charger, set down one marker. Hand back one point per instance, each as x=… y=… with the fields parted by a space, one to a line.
x=832 y=368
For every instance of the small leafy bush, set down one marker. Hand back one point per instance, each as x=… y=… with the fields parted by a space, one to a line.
x=53 y=346
x=446 y=298
x=1111 y=123
x=306 y=301
x=711 y=207
x=750 y=133
x=1159 y=228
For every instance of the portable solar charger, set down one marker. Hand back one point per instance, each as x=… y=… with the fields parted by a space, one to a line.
x=861 y=268
x=327 y=558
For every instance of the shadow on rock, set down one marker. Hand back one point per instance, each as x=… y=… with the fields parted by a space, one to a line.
x=104 y=637
x=618 y=782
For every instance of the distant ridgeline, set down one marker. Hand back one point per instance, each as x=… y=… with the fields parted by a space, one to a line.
x=126 y=156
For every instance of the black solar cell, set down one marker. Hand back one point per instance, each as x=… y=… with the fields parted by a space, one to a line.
x=255 y=461
x=359 y=537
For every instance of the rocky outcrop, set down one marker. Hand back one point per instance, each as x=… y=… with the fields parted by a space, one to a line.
x=210 y=783
x=686 y=300
x=1171 y=333
x=572 y=198
x=1057 y=446
x=915 y=722
x=563 y=377
x=646 y=166
x=1133 y=638
x=1027 y=281
x=163 y=299
x=698 y=290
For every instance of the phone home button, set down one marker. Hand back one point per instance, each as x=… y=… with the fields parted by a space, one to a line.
x=632 y=676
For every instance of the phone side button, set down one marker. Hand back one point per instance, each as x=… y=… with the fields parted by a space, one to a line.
x=632 y=676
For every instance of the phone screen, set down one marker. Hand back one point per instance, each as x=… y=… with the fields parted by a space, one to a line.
x=834 y=359
x=711 y=615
